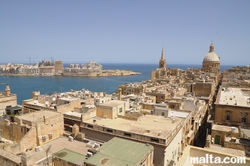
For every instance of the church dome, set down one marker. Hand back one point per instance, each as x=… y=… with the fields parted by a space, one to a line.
x=211 y=56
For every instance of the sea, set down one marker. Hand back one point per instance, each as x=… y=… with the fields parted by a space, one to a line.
x=23 y=86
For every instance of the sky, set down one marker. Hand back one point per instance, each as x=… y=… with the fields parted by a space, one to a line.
x=128 y=31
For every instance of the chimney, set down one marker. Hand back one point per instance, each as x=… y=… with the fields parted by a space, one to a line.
x=7 y=90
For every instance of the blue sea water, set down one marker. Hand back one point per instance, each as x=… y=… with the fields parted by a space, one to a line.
x=24 y=86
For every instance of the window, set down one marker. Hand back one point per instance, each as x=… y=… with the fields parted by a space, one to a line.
x=90 y=126
x=162 y=114
x=127 y=134
x=154 y=140
x=109 y=130
x=120 y=110
x=228 y=117
x=244 y=119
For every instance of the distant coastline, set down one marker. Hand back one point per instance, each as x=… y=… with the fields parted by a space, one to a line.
x=57 y=68
x=103 y=73
x=23 y=86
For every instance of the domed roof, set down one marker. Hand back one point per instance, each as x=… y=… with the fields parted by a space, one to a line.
x=211 y=56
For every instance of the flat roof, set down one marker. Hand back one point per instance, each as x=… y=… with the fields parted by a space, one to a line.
x=180 y=114
x=2 y=95
x=34 y=116
x=35 y=103
x=72 y=113
x=154 y=124
x=57 y=145
x=69 y=98
x=70 y=156
x=225 y=128
x=234 y=97
x=119 y=151
x=112 y=103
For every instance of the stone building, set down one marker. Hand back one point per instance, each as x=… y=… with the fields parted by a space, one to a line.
x=232 y=106
x=238 y=76
x=47 y=70
x=58 y=67
x=32 y=130
x=9 y=159
x=221 y=132
x=165 y=134
x=117 y=151
x=162 y=72
x=56 y=102
x=132 y=88
x=7 y=99
x=112 y=109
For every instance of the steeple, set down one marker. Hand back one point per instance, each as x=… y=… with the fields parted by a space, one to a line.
x=162 y=62
x=162 y=53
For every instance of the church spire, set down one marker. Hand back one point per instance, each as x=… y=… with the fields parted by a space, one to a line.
x=162 y=53
x=162 y=62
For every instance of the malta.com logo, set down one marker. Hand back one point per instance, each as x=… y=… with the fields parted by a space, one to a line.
x=210 y=159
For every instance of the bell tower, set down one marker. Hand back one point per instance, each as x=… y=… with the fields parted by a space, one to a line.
x=162 y=62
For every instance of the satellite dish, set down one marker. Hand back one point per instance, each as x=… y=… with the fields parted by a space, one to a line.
x=53 y=99
x=46 y=103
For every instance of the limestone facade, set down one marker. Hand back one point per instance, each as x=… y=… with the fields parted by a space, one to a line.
x=7 y=99
x=232 y=106
x=112 y=109
x=32 y=130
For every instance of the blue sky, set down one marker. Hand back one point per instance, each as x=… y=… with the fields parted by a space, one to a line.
x=128 y=31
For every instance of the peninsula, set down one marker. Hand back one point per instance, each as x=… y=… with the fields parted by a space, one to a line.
x=56 y=68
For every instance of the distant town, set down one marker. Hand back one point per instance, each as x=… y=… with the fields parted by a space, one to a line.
x=176 y=118
x=55 y=68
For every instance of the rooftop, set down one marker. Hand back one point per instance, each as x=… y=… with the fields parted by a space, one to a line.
x=37 y=104
x=112 y=103
x=120 y=152
x=3 y=95
x=225 y=128
x=234 y=97
x=70 y=156
x=181 y=114
x=148 y=125
x=59 y=145
x=37 y=115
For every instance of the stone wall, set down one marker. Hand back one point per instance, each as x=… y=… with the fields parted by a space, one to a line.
x=9 y=159
x=69 y=107
x=233 y=145
x=7 y=101
x=235 y=113
x=203 y=89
